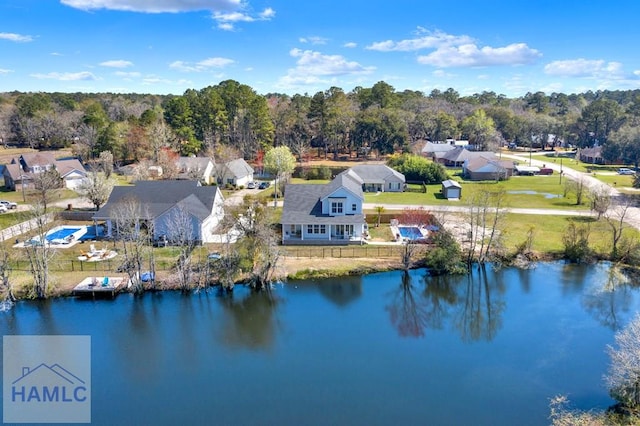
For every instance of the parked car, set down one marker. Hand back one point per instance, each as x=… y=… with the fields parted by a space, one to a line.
x=214 y=256
x=9 y=204
x=3 y=208
x=251 y=185
x=264 y=185
x=625 y=171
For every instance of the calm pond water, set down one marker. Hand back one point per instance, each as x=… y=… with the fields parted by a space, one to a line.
x=489 y=349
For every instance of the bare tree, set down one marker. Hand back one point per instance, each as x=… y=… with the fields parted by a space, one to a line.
x=86 y=141
x=623 y=378
x=181 y=234
x=485 y=216
x=615 y=218
x=160 y=136
x=46 y=185
x=129 y=216
x=258 y=247
x=39 y=253
x=6 y=286
x=96 y=187
x=577 y=187
x=106 y=163
x=600 y=199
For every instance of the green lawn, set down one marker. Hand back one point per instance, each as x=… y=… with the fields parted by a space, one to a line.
x=542 y=186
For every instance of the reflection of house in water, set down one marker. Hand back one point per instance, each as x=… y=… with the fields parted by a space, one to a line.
x=342 y=292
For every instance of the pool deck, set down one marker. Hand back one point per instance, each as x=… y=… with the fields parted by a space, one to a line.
x=95 y=287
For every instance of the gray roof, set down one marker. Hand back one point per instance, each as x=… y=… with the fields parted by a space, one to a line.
x=433 y=147
x=346 y=180
x=376 y=173
x=302 y=205
x=157 y=197
x=239 y=168
x=450 y=184
x=460 y=154
x=186 y=164
x=65 y=167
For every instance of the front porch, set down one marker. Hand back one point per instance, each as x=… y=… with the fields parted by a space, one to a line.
x=322 y=234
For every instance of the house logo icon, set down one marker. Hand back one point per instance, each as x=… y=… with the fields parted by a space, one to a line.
x=46 y=379
x=46 y=383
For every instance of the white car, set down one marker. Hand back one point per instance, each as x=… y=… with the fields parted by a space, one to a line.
x=3 y=208
x=625 y=171
x=9 y=204
x=251 y=185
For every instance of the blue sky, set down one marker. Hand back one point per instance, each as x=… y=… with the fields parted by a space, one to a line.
x=293 y=46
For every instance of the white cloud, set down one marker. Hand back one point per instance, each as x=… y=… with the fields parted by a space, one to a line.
x=118 y=63
x=225 y=12
x=67 y=76
x=313 y=40
x=123 y=74
x=432 y=40
x=316 y=68
x=155 y=6
x=469 y=55
x=19 y=38
x=226 y=20
x=350 y=45
x=442 y=74
x=449 y=50
x=203 y=65
x=593 y=68
x=5 y=72
x=153 y=80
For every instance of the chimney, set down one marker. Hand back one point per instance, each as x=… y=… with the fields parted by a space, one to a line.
x=25 y=371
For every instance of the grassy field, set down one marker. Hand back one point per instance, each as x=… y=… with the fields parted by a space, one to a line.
x=542 y=192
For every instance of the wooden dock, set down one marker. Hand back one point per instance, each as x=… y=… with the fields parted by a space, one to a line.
x=99 y=287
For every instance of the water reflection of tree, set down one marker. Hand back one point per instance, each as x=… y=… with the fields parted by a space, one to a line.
x=407 y=310
x=608 y=299
x=342 y=292
x=480 y=308
x=249 y=322
x=440 y=296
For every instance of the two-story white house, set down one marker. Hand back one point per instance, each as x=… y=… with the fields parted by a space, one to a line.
x=324 y=214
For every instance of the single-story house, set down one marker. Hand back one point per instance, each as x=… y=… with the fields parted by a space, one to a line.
x=72 y=172
x=379 y=178
x=458 y=155
x=21 y=170
x=235 y=172
x=481 y=168
x=201 y=168
x=451 y=190
x=324 y=214
x=162 y=202
x=436 y=150
x=591 y=155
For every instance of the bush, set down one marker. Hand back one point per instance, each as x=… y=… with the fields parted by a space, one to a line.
x=418 y=169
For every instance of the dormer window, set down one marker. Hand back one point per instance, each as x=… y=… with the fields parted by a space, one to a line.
x=336 y=207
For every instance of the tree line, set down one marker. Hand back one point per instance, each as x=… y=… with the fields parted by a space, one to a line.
x=379 y=120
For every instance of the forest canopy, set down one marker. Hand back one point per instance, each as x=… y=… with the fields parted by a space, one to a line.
x=231 y=118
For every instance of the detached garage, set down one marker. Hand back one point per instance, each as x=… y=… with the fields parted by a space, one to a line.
x=451 y=190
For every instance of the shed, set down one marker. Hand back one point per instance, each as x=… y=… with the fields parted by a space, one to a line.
x=451 y=190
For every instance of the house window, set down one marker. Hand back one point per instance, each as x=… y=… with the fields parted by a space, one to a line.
x=336 y=208
x=354 y=207
x=316 y=229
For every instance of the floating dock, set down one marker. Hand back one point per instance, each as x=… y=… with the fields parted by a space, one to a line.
x=99 y=287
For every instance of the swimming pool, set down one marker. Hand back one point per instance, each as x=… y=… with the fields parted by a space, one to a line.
x=61 y=233
x=410 y=232
x=65 y=234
